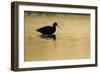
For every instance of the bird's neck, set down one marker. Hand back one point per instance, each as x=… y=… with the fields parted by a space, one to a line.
x=54 y=27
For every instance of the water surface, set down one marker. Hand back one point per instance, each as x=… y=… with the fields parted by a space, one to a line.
x=70 y=42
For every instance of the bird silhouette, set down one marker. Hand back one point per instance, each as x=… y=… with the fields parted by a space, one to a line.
x=48 y=30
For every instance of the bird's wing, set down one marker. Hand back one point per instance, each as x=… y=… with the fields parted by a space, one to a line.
x=43 y=28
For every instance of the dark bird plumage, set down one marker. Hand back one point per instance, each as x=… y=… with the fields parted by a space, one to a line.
x=48 y=30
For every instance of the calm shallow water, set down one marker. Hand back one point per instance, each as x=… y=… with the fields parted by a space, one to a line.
x=63 y=47
x=70 y=42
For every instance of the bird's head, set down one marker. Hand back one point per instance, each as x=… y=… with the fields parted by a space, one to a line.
x=55 y=24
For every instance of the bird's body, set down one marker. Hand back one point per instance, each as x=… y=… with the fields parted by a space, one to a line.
x=47 y=30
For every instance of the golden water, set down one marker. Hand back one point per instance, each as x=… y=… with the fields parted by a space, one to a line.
x=70 y=42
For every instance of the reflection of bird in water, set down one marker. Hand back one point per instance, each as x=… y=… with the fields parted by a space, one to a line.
x=48 y=37
x=48 y=30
